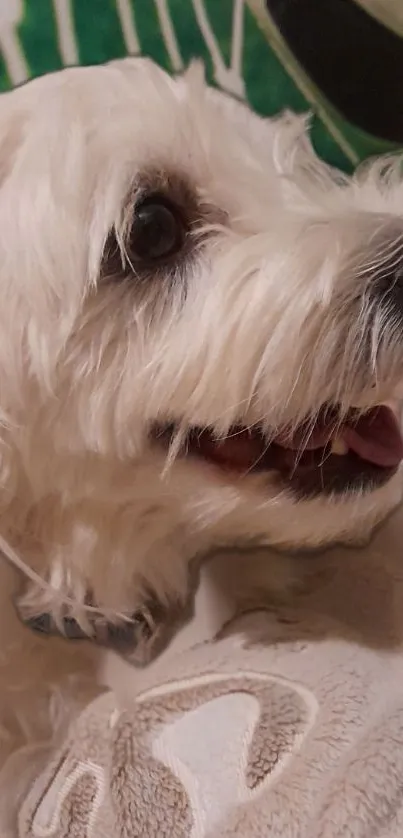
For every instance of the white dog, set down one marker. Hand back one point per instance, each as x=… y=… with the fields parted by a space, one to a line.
x=201 y=325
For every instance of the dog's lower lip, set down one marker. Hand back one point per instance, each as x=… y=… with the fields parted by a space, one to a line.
x=374 y=436
x=372 y=441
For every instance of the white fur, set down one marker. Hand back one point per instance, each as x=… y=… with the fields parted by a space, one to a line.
x=272 y=326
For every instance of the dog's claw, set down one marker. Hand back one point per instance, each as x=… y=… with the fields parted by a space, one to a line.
x=41 y=624
x=72 y=629
x=44 y=624
x=143 y=637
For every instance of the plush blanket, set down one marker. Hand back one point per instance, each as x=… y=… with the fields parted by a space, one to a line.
x=260 y=720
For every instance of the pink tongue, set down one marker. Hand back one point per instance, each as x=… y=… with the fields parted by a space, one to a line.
x=376 y=437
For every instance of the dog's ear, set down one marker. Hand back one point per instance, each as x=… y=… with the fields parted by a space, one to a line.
x=39 y=250
x=136 y=70
x=11 y=126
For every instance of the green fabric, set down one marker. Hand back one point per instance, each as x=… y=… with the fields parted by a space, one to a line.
x=38 y=36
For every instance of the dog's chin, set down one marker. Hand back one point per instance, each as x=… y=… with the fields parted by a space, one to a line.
x=331 y=454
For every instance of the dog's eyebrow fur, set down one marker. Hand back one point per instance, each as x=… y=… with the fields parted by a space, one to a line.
x=198 y=213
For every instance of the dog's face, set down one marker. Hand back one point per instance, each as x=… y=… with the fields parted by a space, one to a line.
x=187 y=285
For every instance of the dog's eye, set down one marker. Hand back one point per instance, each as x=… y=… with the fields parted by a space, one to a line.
x=158 y=230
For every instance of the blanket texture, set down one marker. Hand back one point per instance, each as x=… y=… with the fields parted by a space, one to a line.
x=283 y=721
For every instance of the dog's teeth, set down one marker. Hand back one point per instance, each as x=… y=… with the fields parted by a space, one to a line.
x=338 y=446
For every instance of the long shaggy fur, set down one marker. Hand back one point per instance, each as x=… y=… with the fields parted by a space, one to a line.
x=263 y=324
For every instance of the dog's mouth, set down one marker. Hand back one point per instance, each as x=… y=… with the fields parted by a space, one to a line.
x=327 y=454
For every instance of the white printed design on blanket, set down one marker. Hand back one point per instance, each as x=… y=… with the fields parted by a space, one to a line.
x=243 y=748
x=66 y=783
x=251 y=725
x=214 y=775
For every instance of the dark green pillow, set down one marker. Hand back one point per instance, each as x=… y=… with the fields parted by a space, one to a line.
x=342 y=59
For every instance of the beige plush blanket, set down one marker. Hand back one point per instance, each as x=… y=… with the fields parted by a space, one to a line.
x=284 y=722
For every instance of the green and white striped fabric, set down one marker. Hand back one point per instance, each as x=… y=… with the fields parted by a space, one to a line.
x=247 y=46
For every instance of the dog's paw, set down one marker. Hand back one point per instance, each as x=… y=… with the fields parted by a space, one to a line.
x=140 y=635
x=143 y=636
x=139 y=638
